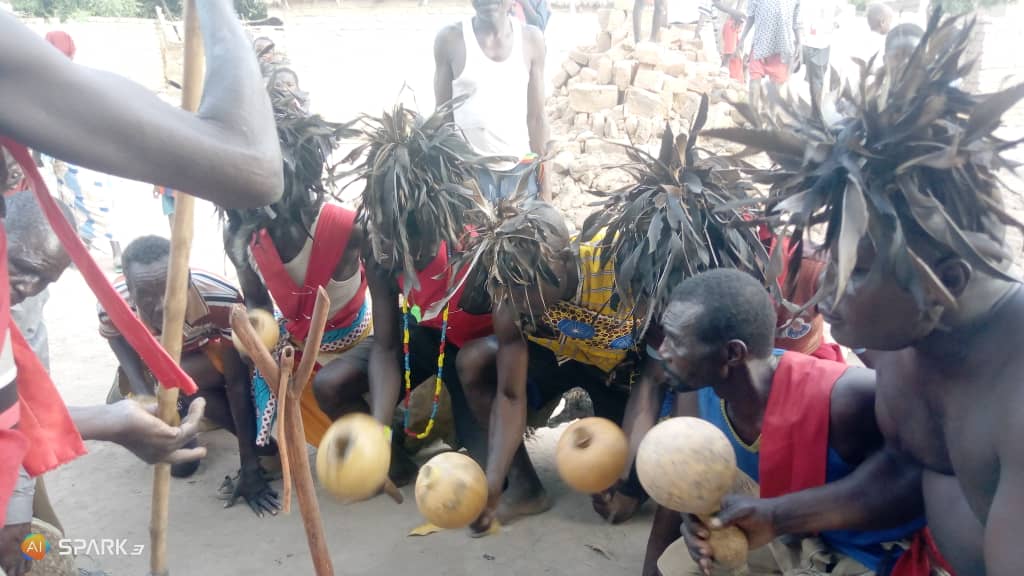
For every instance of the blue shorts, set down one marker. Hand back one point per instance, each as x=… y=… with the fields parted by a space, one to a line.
x=497 y=185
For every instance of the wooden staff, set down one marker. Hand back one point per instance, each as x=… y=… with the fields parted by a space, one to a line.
x=257 y=351
x=287 y=363
x=296 y=438
x=176 y=296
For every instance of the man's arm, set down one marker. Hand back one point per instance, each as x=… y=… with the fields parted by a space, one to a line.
x=641 y=413
x=638 y=16
x=536 y=117
x=665 y=528
x=853 y=503
x=138 y=429
x=383 y=369
x=227 y=153
x=132 y=365
x=508 y=412
x=1005 y=522
x=751 y=9
x=530 y=12
x=443 y=75
x=736 y=14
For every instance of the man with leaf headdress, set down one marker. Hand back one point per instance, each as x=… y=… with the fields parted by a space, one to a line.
x=914 y=223
x=660 y=230
x=558 y=324
x=295 y=246
x=419 y=205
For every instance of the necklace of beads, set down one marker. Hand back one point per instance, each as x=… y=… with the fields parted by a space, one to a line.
x=438 y=379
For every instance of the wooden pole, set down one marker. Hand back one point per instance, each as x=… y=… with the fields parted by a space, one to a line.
x=296 y=438
x=176 y=296
x=258 y=352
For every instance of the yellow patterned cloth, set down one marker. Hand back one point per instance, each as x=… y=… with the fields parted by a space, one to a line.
x=589 y=330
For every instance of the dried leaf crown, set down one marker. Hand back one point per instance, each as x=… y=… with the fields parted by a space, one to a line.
x=420 y=176
x=670 y=224
x=918 y=158
x=518 y=247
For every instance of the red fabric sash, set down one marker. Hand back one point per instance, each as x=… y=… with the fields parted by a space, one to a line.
x=462 y=326
x=794 y=433
x=166 y=371
x=922 y=555
x=45 y=422
x=333 y=229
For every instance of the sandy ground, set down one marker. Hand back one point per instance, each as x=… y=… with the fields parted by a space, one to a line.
x=353 y=59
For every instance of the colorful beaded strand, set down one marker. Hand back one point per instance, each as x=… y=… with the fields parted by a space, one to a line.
x=438 y=379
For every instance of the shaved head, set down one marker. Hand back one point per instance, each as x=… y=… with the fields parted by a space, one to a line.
x=880 y=17
x=35 y=256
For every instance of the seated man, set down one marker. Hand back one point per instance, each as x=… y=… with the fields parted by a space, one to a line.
x=925 y=285
x=557 y=325
x=208 y=356
x=795 y=422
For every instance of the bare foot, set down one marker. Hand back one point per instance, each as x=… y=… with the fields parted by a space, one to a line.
x=522 y=499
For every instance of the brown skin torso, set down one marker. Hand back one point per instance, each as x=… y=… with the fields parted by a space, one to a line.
x=954 y=418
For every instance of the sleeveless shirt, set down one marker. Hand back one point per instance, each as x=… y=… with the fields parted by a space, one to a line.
x=493 y=117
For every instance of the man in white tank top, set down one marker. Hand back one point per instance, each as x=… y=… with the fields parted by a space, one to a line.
x=498 y=64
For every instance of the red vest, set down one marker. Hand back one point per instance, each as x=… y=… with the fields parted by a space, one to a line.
x=333 y=230
x=462 y=326
x=794 y=432
x=794 y=444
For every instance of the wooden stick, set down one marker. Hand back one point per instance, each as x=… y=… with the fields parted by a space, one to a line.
x=287 y=363
x=241 y=326
x=176 y=297
x=304 y=489
x=311 y=349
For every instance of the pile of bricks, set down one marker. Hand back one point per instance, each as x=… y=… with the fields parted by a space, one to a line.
x=616 y=92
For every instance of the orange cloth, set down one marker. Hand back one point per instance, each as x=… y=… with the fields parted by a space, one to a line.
x=314 y=422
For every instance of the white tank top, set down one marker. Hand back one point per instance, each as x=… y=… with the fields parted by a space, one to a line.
x=494 y=115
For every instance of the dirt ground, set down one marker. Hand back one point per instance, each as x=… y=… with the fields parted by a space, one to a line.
x=352 y=59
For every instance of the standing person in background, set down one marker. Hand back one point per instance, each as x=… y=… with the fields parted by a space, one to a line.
x=90 y=192
x=776 y=46
x=819 y=24
x=732 y=51
x=880 y=18
x=536 y=13
x=497 y=65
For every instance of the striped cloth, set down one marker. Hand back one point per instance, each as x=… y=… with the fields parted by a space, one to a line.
x=592 y=330
x=207 y=313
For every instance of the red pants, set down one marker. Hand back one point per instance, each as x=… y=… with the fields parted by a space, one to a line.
x=773 y=67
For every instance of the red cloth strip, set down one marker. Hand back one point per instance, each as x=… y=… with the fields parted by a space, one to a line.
x=794 y=432
x=165 y=369
x=45 y=422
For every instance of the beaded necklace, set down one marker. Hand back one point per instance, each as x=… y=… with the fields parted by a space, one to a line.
x=438 y=379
